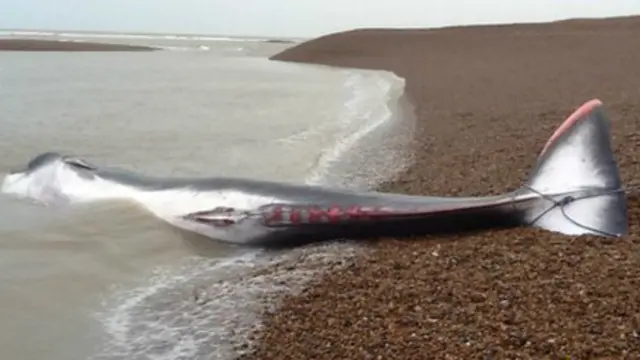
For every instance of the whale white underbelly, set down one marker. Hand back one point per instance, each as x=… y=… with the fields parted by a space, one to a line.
x=60 y=187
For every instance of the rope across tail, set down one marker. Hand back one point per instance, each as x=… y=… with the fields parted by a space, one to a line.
x=565 y=201
x=578 y=160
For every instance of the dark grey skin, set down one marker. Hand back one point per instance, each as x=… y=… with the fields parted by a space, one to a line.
x=574 y=189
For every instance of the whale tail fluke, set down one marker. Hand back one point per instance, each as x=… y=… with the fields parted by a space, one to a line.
x=579 y=159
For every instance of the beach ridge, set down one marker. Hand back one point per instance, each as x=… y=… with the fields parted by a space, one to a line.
x=487 y=99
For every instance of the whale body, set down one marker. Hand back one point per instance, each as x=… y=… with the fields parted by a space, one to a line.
x=574 y=188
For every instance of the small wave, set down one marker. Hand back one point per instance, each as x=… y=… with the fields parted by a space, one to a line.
x=134 y=335
x=211 y=38
x=27 y=33
x=185 y=48
x=372 y=104
x=205 y=308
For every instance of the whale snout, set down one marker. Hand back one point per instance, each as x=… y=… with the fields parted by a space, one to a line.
x=13 y=183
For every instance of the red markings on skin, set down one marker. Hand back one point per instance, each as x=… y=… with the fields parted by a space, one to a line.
x=316 y=214
x=294 y=215
x=335 y=213
x=274 y=215
x=355 y=213
x=284 y=214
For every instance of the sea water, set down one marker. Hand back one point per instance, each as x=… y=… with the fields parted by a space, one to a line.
x=110 y=281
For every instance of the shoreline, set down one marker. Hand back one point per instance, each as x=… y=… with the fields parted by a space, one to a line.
x=67 y=46
x=487 y=98
x=375 y=150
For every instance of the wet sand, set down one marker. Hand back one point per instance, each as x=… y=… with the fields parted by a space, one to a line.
x=51 y=45
x=487 y=99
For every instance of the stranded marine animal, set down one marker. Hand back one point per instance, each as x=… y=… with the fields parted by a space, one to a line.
x=574 y=188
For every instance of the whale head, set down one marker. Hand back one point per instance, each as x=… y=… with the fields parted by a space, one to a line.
x=48 y=177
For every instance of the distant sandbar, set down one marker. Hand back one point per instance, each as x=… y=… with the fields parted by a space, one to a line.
x=53 y=45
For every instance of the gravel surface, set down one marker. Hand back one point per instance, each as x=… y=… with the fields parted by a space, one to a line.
x=487 y=99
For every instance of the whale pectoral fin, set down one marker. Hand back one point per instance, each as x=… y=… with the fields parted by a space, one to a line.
x=219 y=216
x=579 y=157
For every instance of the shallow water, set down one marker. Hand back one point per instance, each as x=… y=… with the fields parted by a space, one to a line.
x=110 y=280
